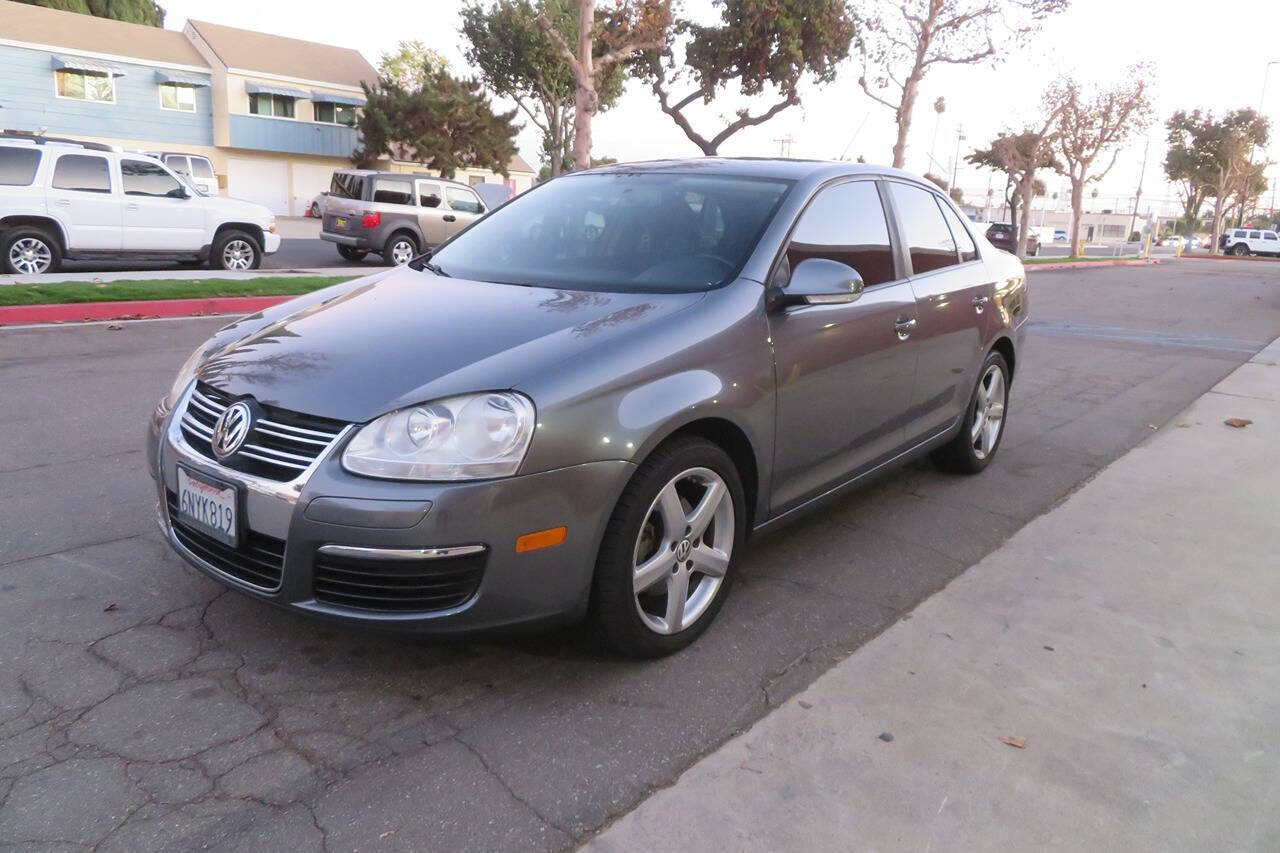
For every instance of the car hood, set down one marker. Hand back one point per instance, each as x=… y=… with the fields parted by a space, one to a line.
x=235 y=208
x=405 y=336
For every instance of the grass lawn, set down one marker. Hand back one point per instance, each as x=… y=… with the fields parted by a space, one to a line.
x=55 y=293
x=1066 y=260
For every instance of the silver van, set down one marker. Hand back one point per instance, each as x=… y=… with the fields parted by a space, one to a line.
x=394 y=214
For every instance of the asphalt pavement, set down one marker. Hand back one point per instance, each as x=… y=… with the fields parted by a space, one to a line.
x=144 y=707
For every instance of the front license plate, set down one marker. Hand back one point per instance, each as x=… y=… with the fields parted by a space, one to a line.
x=209 y=506
x=341 y=222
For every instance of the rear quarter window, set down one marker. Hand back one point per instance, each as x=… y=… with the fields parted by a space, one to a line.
x=391 y=191
x=18 y=166
x=347 y=185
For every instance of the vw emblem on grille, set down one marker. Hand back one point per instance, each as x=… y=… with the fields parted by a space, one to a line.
x=231 y=429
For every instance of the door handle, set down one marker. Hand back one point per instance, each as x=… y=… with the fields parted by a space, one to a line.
x=449 y=217
x=980 y=302
x=904 y=328
x=130 y=207
x=63 y=202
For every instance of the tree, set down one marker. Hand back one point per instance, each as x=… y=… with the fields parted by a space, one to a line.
x=1211 y=158
x=1187 y=162
x=625 y=27
x=757 y=47
x=1019 y=156
x=446 y=125
x=411 y=66
x=132 y=11
x=957 y=195
x=941 y=183
x=1092 y=123
x=517 y=60
x=901 y=40
x=544 y=173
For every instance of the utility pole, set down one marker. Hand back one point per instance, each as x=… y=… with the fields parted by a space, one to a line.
x=955 y=161
x=1142 y=173
x=784 y=145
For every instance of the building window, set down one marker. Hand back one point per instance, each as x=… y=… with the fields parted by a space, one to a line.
x=175 y=97
x=85 y=86
x=280 y=106
x=335 y=113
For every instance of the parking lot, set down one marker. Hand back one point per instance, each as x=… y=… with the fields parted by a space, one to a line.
x=144 y=707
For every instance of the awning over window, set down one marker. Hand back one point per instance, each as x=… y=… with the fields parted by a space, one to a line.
x=90 y=66
x=327 y=98
x=264 y=89
x=180 y=78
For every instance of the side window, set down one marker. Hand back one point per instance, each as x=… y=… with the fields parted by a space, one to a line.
x=929 y=240
x=846 y=223
x=428 y=194
x=1255 y=235
x=347 y=185
x=463 y=201
x=142 y=178
x=177 y=163
x=1237 y=233
x=391 y=191
x=82 y=173
x=18 y=166
x=968 y=251
x=201 y=168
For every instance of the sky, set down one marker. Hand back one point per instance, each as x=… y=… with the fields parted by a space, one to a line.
x=1198 y=59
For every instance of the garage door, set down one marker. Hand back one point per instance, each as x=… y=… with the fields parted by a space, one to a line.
x=309 y=180
x=263 y=181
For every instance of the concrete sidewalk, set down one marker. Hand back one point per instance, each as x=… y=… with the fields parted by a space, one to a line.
x=178 y=273
x=1131 y=635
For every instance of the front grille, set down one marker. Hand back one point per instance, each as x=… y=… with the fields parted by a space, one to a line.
x=279 y=447
x=259 y=561
x=398 y=586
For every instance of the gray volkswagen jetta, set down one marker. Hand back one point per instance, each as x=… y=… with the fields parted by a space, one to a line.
x=588 y=401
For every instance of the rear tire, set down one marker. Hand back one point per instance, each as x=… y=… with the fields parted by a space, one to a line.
x=982 y=429
x=30 y=251
x=400 y=249
x=315 y=211
x=693 y=482
x=351 y=253
x=235 y=251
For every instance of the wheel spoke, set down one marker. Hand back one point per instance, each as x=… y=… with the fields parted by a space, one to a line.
x=710 y=561
x=706 y=509
x=978 y=420
x=996 y=412
x=677 y=596
x=655 y=569
x=672 y=512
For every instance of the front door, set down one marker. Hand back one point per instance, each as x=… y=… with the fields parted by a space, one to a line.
x=844 y=373
x=952 y=294
x=159 y=215
x=82 y=197
x=464 y=206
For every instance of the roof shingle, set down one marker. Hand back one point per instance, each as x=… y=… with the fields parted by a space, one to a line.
x=73 y=31
x=285 y=57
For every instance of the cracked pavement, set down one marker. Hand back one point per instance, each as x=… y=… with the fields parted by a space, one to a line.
x=142 y=706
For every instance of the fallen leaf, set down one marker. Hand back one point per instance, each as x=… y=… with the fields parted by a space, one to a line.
x=114 y=327
x=1016 y=742
x=886 y=737
x=1238 y=423
x=805 y=705
x=1183 y=425
x=110 y=607
x=1152 y=426
x=386 y=835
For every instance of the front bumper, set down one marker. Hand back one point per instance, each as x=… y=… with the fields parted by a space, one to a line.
x=327 y=507
x=270 y=243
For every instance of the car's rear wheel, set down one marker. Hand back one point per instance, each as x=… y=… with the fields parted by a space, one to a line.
x=666 y=562
x=400 y=249
x=315 y=210
x=1240 y=250
x=235 y=251
x=983 y=427
x=351 y=253
x=30 y=251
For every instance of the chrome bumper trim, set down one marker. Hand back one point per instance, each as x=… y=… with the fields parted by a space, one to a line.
x=359 y=553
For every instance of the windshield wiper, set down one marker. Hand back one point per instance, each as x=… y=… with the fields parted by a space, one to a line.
x=423 y=262
x=435 y=268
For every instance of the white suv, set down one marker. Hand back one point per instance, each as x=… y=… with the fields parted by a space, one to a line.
x=79 y=200
x=1251 y=241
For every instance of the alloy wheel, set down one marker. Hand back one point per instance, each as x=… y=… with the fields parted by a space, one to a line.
x=237 y=255
x=402 y=252
x=30 y=255
x=683 y=550
x=988 y=415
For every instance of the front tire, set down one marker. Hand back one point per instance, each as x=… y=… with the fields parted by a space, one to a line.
x=235 y=251
x=1240 y=250
x=30 y=251
x=667 y=559
x=982 y=429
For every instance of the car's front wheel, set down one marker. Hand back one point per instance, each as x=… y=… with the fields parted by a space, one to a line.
x=1240 y=250
x=979 y=438
x=30 y=251
x=667 y=559
x=235 y=251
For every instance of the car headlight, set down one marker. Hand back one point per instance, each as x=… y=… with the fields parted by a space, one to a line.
x=471 y=437
x=185 y=375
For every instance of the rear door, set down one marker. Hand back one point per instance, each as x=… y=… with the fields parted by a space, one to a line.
x=83 y=196
x=465 y=207
x=158 y=214
x=952 y=293
x=844 y=373
x=432 y=211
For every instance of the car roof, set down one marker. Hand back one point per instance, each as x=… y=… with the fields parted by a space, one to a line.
x=364 y=173
x=756 y=167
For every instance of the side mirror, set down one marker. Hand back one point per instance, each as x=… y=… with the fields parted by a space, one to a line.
x=819 y=281
x=178 y=192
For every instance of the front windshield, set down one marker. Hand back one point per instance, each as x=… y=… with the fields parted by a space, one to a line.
x=617 y=231
x=188 y=183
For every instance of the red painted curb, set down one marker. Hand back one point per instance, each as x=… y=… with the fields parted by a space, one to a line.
x=12 y=315
x=1079 y=265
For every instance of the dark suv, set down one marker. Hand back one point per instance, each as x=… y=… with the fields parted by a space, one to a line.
x=1005 y=237
x=394 y=214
